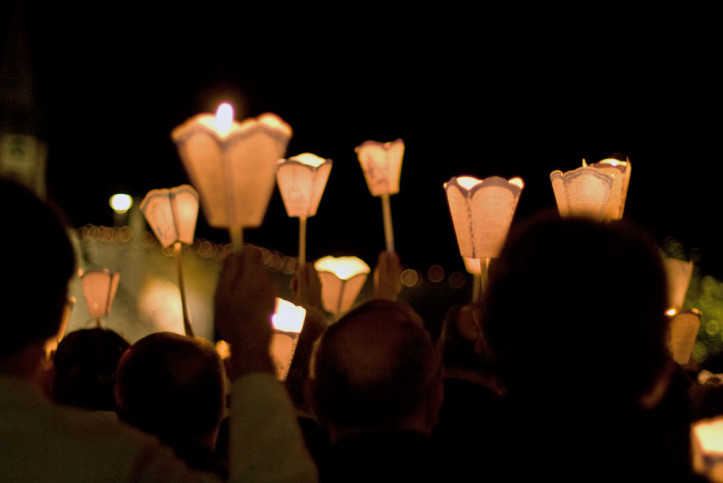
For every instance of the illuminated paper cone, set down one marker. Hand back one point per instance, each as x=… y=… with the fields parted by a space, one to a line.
x=172 y=214
x=620 y=173
x=707 y=448
x=684 y=328
x=287 y=320
x=581 y=192
x=482 y=212
x=382 y=166
x=342 y=278
x=678 y=274
x=301 y=180
x=99 y=289
x=232 y=165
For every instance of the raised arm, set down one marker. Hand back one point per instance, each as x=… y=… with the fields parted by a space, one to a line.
x=266 y=442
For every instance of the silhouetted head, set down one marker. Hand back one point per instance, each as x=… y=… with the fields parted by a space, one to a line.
x=576 y=308
x=84 y=366
x=38 y=261
x=172 y=386
x=375 y=368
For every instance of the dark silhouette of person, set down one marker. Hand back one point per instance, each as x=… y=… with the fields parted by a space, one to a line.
x=573 y=319
x=174 y=387
x=472 y=407
x=375 y=387
x=43 y=441
x=82 y=373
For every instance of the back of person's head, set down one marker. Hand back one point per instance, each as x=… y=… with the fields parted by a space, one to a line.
x=575 y=307
x=459 y=339
x=374 y=368
x=84 y=366
x=172 y=386
x=38 y=261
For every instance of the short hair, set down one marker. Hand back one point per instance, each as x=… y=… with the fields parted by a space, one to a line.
x=38 y=262
x=575 y=299
x=172 y=386
x=84 y=367
x=373 y=367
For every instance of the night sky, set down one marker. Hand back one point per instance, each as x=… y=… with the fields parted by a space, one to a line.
x=480 y=94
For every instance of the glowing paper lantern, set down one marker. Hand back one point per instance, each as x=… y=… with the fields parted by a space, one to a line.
x=342 y=278
x=382 y=166
x=287 y=320
x=581 y=192
x=99 y=288
x=707 y=448
x=684 y=326
x=482 y=212
x=301 y=180
x=620 y=173
x=172 y=214
x=678 y=273
x=232 y=165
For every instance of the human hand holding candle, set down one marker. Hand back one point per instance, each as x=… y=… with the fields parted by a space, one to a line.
x=387 y=276
x=306 y=287
x=244 y=301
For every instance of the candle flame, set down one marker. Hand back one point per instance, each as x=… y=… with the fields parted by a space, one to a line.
x=224 y=117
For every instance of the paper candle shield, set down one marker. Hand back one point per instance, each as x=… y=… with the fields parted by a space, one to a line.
x=482 y=212
x=234 y=171
x=172 y=214
x=301 y=180
x=99 y=288
x=684 y=328
x=620 y=173
x=342 y=278
x=678 y=274
x=382 y=165
x=581 y=192
x=287 y=320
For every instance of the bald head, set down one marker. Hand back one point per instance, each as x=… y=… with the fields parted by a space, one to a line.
x=374 y=368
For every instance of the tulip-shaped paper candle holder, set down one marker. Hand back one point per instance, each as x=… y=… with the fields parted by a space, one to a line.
x=99 y=288
x=684 y=327
x=582 y=192
x=301 y=180
x=678 y=274
x=382 y=166
x=172 y=214
x=287 y=320
x=342 y=278
x=482 y=212
x=232 y=165
x=620 y=173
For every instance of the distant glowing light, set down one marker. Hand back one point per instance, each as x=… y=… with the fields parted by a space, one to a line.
x=435 y=273
x=457 y=280
x=121 y=202
x=410 y=277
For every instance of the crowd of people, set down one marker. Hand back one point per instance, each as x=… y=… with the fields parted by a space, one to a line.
x=561 y=370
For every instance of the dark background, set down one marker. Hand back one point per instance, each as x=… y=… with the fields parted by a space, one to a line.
x=478 y=92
